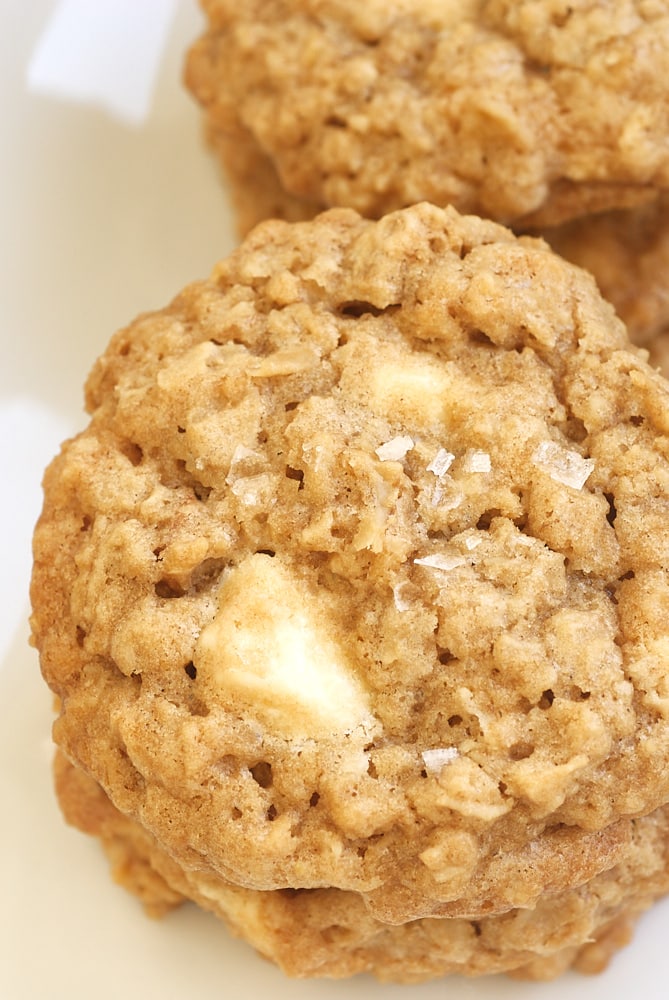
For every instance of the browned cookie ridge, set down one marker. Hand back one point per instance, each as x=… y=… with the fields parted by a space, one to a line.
x=327 y=932
x=528 y=112
x=357 y=578
x=626 y=251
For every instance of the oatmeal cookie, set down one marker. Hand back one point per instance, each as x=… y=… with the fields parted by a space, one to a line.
x=253 y=185
x=628 y=253
x=358 y=577
x=528 y=112
x=658 y=350
x=327 y=932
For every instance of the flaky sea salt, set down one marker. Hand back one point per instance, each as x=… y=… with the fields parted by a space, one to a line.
x=437 y=494
x=238 y=479
x=440 y=560
x=434 y=760
x=562 y=465
x=441 y=462
x=249 y=489
x=450 y=501
x=395 y=449
x=402 y=602
x=476 y=461
x=240 y=453
x=473 y=541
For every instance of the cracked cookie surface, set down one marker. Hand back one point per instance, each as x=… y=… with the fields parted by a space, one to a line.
x=627 y=250
x=531 y=112
x=327 y=932
x=359 y=571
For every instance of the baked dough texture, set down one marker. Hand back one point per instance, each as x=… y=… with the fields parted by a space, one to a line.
x=327 y=932
x=627 y=250
x=357 y=583
x=628 y=253
x=530 y=112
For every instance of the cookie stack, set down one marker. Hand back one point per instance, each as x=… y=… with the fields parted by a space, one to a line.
x=354 y=590
x=530 y=112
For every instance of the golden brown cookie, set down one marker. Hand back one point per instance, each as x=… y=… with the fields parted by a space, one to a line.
x=358 y=576
x=528 y=112
x=128 y=847
x=253 y=185
x=326 y=932
x=628 y=253
x=659 y=352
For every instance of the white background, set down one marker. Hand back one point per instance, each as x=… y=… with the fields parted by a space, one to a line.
x=109 y=204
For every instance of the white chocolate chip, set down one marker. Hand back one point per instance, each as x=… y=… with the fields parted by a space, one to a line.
x=270 y=653
x=414 y=392
x=287 y=361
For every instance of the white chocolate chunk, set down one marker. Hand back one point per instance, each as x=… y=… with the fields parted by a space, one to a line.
x=284 y=362
x=563 y=466
x=269 y=654
x=413 y=392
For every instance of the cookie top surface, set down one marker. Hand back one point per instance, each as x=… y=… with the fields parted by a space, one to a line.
x=536 y=111
x=358 y=572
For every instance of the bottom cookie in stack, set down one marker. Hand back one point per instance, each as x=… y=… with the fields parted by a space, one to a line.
x=328 y=932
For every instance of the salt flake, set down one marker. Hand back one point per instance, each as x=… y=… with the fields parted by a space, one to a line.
x=249 y=489
x=434 y=760
x=563 y=466
x=441 y=561
x=239 y=455
x=452 y=501
x=241 y=452
x=395 y=449
x=477 y=461
x=441 y=462
x=399 y=591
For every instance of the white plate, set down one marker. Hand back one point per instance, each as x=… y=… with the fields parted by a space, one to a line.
x=109 y=205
